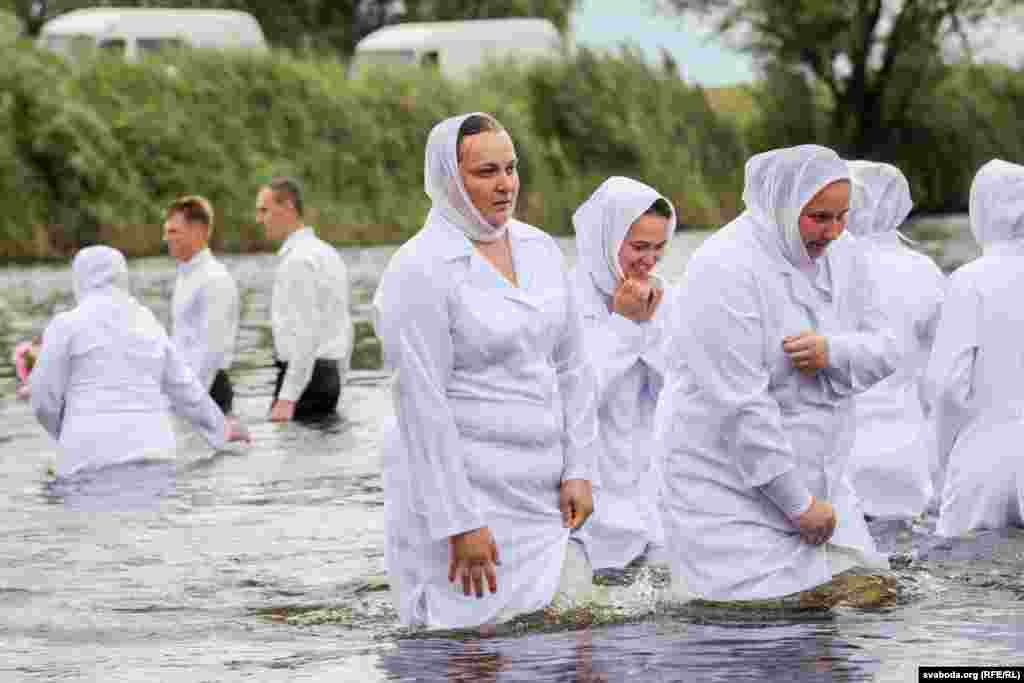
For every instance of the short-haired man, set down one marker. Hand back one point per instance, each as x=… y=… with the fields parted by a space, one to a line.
x=309 y=308
x=204 y=308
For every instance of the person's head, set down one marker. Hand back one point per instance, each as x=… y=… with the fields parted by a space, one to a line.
x=996 y=203
x=488 y=168
x=97 y=268
x=279 y=207
x=645 y=242
x=470 y=174
x=823 y=219
x=621 y=231
x=879 y=199
x=804 y=192
x=188 y=227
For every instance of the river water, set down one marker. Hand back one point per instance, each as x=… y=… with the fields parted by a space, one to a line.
x=265 y=563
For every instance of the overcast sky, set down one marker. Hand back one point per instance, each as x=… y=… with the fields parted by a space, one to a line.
x=705 y=59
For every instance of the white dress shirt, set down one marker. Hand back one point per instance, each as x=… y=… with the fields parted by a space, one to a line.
x=205 y=313
x=309 y=310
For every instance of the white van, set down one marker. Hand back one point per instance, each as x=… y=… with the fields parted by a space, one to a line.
x=134 y=32
x=457 y=47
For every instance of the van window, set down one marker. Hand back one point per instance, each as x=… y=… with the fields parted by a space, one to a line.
x=151 y=45
x=114 y=46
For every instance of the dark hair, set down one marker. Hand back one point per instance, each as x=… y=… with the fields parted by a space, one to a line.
x=474 y=125
x=287 y=188
x=194 y=209
x=660 y=207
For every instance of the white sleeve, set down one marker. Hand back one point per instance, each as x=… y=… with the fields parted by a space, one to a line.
x=577 y=387
x=950 y=373
x=49 y=377
x=220 y=320
x=190 y=399
x=614 y=346
x=412 y=322
x=300 y=278
x=720 y=333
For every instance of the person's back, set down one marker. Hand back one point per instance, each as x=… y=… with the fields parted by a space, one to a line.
x=106 y=371
x=892 y=459
x=975 y=376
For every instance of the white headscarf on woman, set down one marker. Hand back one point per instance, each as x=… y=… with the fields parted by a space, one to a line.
x=603 y=221
x=879 y=201
x=997 y=204
x=777 y=186
x=104 y=270
x=443 y=183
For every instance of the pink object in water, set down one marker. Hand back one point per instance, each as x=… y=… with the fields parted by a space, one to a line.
x=24 y=359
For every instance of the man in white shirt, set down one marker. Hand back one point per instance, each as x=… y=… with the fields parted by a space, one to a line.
x=204 y=307
x=310 y=319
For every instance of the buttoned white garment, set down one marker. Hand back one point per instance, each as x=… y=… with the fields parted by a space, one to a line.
x=975 y=376
x=735 y=414
x=205 y=310
x=894 y=459
x=310 y=310
x=495 y=405
x=106 y=372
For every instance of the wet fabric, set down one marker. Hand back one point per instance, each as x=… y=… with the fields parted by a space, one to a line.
x=495 y=405
x=894 y=460
x=975 y=377
x=106 y=373
x=629 y=363
x=736 y=414
x=322 y=393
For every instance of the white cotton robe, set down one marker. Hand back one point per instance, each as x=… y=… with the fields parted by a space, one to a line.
x=975 y=377
x=736 y=415
x=629 y=363
x=495 y=407
x=893 y=462
x=105 y=374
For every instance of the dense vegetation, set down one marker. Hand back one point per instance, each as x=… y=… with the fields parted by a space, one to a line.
x=93 y=151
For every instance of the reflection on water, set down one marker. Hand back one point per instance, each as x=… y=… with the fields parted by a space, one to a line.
x=266 y=563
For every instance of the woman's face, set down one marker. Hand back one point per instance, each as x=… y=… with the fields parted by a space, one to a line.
x=489 y=171
x=643 y=246
x=823 y=219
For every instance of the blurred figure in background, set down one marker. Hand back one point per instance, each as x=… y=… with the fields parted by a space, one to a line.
x=894 y=463
x=312 y=327
x=106 y=372
x=975 y=378
x=204 y=307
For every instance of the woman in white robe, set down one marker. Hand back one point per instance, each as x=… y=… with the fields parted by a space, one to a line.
x=975 y=377
x=106 y=372
x=622 y=231
x=495 y=402
x=894 y=453
x=775 y=328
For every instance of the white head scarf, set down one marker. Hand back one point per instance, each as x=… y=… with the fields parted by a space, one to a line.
x=103 y=269
x=443 y=183
x=879 y=200
x=779 y=184
x=97 y=268
x=997 y=203
x=603 y=221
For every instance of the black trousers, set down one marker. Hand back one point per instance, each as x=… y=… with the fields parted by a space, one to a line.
x=320 y=397
x=221 y=392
